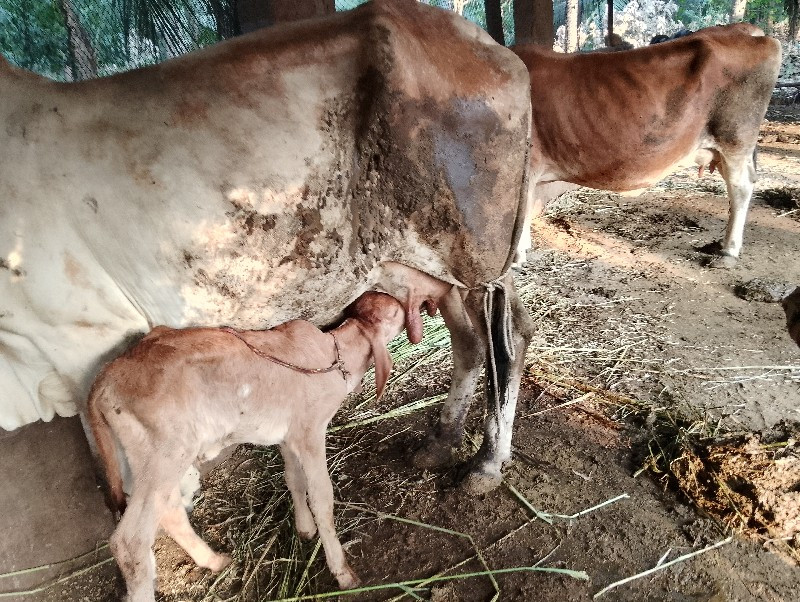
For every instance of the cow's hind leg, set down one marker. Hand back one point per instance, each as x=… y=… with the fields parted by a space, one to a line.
x=510 y=329
x=738 y=171
x=176 y=523
x=468 y=357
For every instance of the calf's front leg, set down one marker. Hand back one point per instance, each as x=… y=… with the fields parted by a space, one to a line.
x=298 y=487
x=311 y=453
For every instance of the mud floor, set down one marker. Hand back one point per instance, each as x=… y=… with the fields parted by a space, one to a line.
x=658 y=416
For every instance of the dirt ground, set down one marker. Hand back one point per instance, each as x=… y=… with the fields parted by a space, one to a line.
x=666 y=390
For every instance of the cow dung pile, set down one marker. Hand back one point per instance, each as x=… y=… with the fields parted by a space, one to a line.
x=750 y=484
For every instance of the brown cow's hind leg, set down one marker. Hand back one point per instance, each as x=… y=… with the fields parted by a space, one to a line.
x=738 y=171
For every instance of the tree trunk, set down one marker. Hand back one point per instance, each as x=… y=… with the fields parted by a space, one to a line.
x=84 y=61
x=226 y=18
x=294 y=10
x=494 y=20
x=610 y=31
x=572 y=26
x=533 y=22
x=738 y=9
x=255 y=14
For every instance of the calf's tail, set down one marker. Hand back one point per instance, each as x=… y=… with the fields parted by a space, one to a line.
x=106 y=451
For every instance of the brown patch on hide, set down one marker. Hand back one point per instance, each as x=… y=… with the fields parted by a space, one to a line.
x=249 y=220
x=190 y=111
x=217 y=282
x=310 y=226
x=74 y=271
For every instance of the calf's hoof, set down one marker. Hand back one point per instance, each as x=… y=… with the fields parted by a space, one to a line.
x=347 y=579
x=218 y=562
x=306 y=534
x=481 y=480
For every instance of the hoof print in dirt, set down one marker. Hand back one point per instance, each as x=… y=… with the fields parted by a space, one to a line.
x=784 y=199
x=710 y=248
x=763 y=290
x=714 y=257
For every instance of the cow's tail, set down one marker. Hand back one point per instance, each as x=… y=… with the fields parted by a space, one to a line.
x=106 y=450
x=524 y=202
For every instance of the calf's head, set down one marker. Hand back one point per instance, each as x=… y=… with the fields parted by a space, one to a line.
x=382 y=318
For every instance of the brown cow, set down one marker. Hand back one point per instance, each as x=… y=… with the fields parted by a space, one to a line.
x=622 y=121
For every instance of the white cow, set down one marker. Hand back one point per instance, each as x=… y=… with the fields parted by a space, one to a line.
x=267 y=178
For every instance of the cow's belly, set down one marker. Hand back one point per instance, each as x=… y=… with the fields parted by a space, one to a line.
x=629 y=178
x=106 y=272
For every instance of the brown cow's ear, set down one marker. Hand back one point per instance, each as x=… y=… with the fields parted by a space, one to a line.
x=383 y=365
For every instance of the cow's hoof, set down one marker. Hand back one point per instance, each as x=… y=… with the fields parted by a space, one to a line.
x=347 y=579
x=434 y=454
x=218 y=562
x=723 y=262
x=480 y=481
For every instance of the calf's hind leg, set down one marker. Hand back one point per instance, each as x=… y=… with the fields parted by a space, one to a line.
x=132 y=541
x=176 y=523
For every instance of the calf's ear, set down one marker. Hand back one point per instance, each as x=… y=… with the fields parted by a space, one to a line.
x=383 y=365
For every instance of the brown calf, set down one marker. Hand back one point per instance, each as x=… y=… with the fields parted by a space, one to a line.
x=183 y=395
